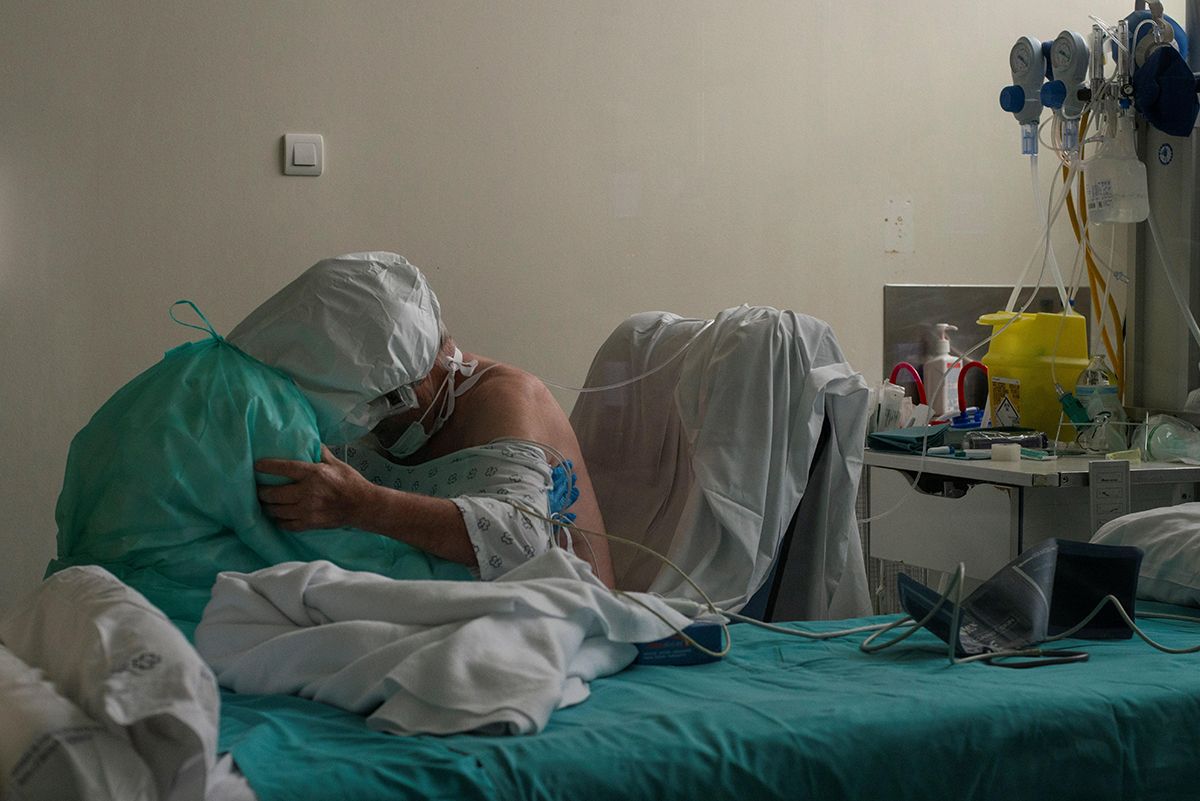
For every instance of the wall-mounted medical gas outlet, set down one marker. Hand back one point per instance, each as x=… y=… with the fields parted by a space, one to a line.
x=303 y=154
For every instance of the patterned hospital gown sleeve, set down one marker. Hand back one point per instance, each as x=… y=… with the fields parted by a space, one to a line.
x=481 y=482
x=502 y=535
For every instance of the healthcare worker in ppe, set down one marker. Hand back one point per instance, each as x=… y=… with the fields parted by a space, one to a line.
x=436 y=442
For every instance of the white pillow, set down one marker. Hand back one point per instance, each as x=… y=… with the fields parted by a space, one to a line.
x=1170 y=538
x=114 y=654
x=50 y=749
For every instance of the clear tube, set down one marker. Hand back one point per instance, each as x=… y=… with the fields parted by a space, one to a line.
x=1188 y=317
x=1051 y=217
x=626 y=382
x=1037 y=204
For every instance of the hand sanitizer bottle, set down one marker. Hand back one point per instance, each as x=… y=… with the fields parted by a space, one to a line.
x=940 y=375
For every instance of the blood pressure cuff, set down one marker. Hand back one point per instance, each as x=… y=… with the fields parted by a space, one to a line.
x=1047 y=590
x=160 y=487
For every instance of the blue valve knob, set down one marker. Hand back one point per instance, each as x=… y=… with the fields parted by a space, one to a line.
x=1012 y=98
x=1054 y=94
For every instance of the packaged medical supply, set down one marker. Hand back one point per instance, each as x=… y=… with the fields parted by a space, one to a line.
x=986 y=438
x=1006 y=452
x=1163 y=438
x=1024 y=358
x=677 y=651
x=941 y=375
x=890 y=399
x=127 y=667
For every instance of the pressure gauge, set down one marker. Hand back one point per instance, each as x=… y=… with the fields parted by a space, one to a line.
x=1069 y=57
x=1028 y=66
x=1022 y=57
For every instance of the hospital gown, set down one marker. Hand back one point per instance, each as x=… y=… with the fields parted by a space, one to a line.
x=481 y=481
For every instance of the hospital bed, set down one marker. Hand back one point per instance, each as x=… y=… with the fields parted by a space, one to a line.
x=779 y=717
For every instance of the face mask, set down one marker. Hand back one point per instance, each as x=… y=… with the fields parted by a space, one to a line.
x=414 y=437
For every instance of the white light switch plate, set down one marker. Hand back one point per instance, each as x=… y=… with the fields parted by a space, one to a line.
x=298 y=152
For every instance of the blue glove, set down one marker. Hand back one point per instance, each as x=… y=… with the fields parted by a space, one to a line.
x=564 y=492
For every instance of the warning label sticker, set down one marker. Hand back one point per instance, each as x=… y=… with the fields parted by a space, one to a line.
x=1006 y=402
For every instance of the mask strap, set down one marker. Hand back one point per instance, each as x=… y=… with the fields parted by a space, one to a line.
x=207 y=327
x=457 y=365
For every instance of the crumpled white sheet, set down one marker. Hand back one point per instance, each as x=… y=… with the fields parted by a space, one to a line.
x=49 y=749
x=111 y=652
x=428 y=656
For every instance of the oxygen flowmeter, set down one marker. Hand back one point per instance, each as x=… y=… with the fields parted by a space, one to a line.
x=1027 y=61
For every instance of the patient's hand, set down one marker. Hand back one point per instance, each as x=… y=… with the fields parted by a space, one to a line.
x=327 y=494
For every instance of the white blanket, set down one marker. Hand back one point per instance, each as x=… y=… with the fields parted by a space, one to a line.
x=427 y=656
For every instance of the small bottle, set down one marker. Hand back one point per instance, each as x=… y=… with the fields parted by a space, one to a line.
x=940 y=375
x=1099 y=394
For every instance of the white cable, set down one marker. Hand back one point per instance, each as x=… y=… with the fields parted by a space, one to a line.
x=868 y=645
x=1162 y=257
x=636 y=378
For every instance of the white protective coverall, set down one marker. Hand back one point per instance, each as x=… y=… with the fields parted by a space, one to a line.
x=707 y=460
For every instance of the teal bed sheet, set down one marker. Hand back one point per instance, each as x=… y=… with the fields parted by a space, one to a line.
x=780 y=718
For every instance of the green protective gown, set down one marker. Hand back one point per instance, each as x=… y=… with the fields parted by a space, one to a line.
x=160 y=485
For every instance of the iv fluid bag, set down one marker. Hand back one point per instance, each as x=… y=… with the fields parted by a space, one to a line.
x=1116 y=182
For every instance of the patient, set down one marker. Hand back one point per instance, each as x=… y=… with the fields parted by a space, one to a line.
x=437 y=441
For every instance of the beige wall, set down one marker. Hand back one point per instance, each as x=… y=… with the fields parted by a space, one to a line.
x=554 y=166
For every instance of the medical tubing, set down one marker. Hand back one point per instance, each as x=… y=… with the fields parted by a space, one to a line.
x=1162 y=257
x=1055 y=272
x=961 y=359
x=956 y=583
x=708 y=602
x=626 y=382
x=1042 y=245
x=867 y=645
x=1116 y=353
x=808 y=635
x=1132 y=625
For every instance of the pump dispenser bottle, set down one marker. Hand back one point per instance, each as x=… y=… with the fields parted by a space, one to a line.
x=940 y=375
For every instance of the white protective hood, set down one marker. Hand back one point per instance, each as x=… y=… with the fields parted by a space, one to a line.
x=347 y=331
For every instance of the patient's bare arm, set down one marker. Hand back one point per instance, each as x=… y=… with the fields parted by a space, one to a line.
x=332 y=494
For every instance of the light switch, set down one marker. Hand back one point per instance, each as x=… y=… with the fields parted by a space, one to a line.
x=303 y=154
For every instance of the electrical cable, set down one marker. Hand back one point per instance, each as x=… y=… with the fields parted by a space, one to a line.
x=877 y=630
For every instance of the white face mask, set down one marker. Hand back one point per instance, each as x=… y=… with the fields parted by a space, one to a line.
x=414 y=437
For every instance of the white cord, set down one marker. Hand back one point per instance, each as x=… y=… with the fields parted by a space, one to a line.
x=636 y=378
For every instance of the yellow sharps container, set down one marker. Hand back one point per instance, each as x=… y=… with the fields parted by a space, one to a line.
x=1023 y=362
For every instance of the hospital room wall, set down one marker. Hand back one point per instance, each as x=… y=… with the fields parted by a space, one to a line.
x=553 y=165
